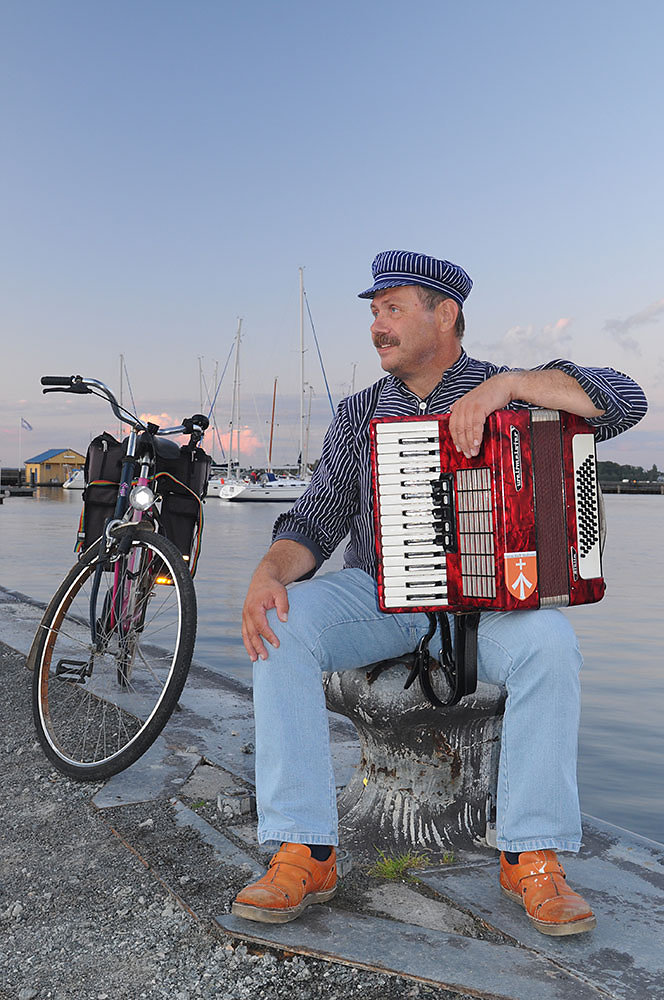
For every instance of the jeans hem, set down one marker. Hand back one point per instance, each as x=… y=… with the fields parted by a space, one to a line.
x=272 y=838
x=539 y=844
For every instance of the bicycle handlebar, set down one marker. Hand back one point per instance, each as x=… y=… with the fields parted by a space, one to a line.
x=199 y=422
x=195 y=425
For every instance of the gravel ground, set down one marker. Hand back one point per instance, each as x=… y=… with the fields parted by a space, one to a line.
x=118 y=905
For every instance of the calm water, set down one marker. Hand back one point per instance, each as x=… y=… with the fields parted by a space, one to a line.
x=620 y=754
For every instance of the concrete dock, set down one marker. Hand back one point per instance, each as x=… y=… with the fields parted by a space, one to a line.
x=450 y=927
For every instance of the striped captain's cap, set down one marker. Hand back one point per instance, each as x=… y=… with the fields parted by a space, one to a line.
x=392 y=268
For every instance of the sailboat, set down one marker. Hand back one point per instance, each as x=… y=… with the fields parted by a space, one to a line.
x=75 y=481
x=230 y=478
x=269 y=487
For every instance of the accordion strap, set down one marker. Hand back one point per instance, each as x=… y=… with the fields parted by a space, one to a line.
x=422 y=665
x=459 y=662
x=465 y=645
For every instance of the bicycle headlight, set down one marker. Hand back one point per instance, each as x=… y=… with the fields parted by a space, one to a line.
x=141 y=497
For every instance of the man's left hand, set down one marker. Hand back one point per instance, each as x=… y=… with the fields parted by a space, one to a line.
x=468 y=414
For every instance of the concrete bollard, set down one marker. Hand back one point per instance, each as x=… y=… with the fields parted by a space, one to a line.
x=427 y=776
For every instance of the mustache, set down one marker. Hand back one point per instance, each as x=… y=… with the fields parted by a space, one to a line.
x=384 y=341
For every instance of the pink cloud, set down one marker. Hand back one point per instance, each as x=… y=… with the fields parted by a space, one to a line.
x=161 y=419
x=249 y=442
x=164 y=420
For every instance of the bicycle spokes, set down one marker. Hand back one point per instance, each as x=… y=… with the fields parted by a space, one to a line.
x=101 y=690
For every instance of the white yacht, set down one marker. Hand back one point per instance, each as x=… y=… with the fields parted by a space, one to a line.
x=76 y=481
x=214 y=486
x=278 y=489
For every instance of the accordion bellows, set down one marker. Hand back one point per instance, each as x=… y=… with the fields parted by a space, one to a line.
x=518 y=526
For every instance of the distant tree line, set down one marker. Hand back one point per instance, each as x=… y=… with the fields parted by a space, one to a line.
x=611 y=472
x=607 y=472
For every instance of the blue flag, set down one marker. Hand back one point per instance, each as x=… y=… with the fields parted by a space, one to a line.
x=25 y=424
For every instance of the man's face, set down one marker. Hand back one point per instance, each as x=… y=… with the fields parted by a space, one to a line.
x=404 y=332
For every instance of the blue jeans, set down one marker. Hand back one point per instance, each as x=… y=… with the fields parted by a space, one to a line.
x=334 y=624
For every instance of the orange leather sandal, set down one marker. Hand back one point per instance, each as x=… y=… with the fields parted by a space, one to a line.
x=293 y=881
x=537 y=881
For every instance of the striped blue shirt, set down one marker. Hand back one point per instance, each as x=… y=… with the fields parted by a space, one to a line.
x=339 y=498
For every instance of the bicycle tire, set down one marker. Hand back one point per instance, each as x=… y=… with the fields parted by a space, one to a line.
x=97 y=707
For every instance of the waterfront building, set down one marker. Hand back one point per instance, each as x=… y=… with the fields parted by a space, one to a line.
x=52 y=467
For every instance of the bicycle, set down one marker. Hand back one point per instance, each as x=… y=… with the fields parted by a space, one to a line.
x=113 y=650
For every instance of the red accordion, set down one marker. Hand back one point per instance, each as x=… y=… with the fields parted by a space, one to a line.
x=518 y=526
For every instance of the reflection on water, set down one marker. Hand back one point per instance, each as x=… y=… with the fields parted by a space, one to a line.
x=621 y=744
x=621 y=638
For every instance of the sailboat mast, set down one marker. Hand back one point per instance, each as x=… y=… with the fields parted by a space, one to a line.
x=120 y=398
x=215 y=431
x=301 y=372
x=237 y=376
x=305 y=463
x=269 y=453
x=235 y=405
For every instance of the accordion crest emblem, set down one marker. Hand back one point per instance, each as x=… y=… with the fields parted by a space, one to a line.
x=521 y=573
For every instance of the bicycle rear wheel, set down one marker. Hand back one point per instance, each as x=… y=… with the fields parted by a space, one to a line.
x=98 y=705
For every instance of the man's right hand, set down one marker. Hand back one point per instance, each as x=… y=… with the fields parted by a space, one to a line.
x=265 y=592
x=285 y=562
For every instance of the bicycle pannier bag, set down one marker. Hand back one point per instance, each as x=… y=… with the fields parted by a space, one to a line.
x=103 y=467
x=103 y=460
x=182 y=484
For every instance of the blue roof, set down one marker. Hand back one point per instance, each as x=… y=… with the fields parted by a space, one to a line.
x=45 y=455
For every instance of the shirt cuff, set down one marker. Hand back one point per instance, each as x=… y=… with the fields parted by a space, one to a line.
x=602 y=398
x=295 y=536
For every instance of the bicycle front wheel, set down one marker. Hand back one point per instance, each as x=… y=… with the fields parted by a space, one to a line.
x=101 y=695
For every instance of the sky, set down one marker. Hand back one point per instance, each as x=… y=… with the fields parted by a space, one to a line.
x=169 y=165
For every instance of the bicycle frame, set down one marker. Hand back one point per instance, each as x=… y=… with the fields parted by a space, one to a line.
x=123 y=610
